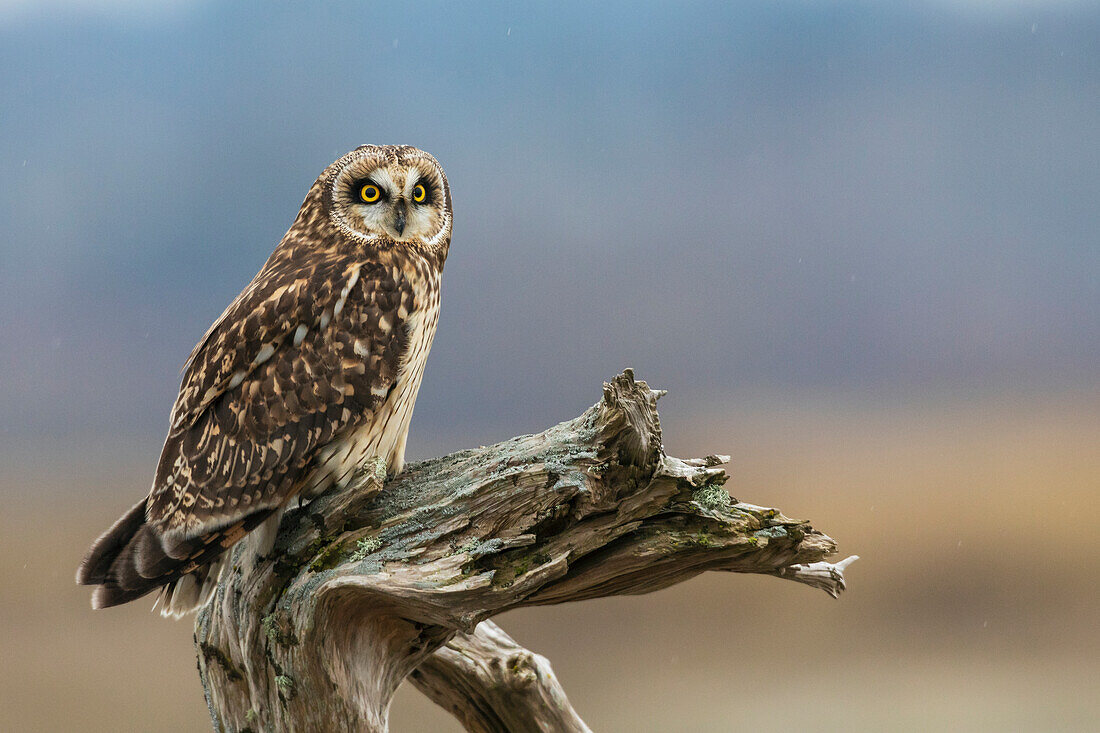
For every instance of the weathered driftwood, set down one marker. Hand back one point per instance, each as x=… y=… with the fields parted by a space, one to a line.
x=493 y=685
x=368 y=587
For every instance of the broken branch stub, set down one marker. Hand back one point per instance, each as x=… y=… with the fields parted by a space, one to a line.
x=370 y=584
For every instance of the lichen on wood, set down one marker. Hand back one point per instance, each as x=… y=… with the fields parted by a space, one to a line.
x=378 y=583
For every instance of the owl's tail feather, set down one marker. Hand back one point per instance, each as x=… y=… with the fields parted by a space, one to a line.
x=189 y=593
x=193 y=591
x=131 y=560
x=97 y=563
x=126 y=562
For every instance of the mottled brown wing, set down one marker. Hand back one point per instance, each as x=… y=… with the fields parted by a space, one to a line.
x=294 y=361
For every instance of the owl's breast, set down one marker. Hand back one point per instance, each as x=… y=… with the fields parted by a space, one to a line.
x=383 y=432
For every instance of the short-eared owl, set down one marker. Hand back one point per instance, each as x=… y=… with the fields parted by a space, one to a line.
x=313 y=368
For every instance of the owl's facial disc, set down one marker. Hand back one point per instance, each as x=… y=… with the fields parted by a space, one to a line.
x=403 y=202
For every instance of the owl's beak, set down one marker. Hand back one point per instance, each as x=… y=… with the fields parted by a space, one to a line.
x=399 y=218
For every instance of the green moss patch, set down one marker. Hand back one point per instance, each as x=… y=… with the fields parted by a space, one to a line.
x=364 y=548
x=712 y=497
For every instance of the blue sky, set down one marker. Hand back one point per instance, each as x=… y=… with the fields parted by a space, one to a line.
x=886 y=199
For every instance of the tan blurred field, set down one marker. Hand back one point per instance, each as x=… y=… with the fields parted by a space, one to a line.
x=974 y=606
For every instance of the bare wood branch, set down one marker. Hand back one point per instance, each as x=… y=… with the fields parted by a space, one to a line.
x=366 y=586
x=493 y=685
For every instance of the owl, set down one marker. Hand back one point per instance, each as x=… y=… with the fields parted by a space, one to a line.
x=311 y=370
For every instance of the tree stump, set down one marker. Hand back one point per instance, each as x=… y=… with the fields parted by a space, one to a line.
x=373 y=584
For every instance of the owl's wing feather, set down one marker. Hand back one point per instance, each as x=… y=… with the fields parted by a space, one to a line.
x=291 y=365
x=260 y=318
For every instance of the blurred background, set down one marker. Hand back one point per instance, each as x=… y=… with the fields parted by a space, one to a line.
x=857 y=242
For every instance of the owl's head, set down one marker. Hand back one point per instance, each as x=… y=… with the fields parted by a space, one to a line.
x=389 y=194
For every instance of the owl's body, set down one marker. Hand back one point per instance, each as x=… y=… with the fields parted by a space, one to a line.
x=314 y=368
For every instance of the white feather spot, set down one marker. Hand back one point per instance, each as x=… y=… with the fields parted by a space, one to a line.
x=238 y=377
x=325 y=318
x=378 y=391
x=265 y=354
x=360 y=349
x=384 y=324
x=300 y=334
x=339 y=307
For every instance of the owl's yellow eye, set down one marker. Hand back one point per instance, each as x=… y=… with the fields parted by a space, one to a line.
x=420 y=193
x=369 y=193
